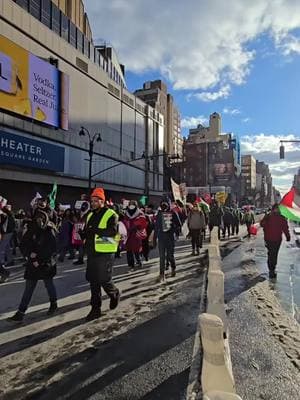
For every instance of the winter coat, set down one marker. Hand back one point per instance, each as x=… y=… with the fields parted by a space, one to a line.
x=274 y=225
x=248 y=218
x=65 y=234
x=136 y=226
x=227 y=217
x=43 y=243
x=167 y=224
x=196 y=220
x=215 y=216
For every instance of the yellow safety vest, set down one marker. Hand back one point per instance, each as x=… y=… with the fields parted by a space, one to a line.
x=105 y=244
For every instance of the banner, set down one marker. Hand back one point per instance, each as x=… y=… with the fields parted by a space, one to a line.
x=175 y=190
x=32 y=87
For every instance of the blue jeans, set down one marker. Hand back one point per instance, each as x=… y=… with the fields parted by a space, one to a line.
x=29 y=289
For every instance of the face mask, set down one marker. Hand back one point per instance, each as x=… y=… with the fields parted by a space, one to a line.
x=132 y=207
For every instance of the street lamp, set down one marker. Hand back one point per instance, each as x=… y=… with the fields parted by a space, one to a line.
x=96 y=137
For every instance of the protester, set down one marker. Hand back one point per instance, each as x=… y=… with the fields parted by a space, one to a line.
x=64 y=239
x=136 y=225
x=149 y=214
x=101 y=244
x=167 y=226
x=215 y=217
x=7 y=228
x=274 y=225
x=79 y=224
x=236 y=220
x=227 y=222
x=39 y=246
x=196 y=225
x=248 y=219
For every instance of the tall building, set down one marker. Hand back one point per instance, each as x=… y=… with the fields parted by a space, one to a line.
x=54 y=80
x=264 y=185
x=248 y=178
x=155 y=93
x=211 y=159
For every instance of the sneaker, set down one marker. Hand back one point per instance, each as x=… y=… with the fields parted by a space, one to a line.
x=114 y=301
x=95 y=313
x=173 y=273
x=18 y=317
x=78 y=262
x=53 y=308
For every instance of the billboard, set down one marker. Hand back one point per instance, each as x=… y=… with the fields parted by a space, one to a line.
x=32 y=153
x=32 y=87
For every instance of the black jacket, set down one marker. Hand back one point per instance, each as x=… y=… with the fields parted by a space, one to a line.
x=43 y=243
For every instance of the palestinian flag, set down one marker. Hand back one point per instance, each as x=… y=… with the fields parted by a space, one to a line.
x=202 y=204
x=290 y=206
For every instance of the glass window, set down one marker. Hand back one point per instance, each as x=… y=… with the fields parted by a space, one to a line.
x=23 y=4
x=79 y=40
x=64 y=26
x=55 y=19
x=46 y=13
x=72 y=34
x=86 y=46
x=35 y=8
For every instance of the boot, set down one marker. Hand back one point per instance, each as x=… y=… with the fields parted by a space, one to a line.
x=53 y=308
x=161 y=278
x=193 y=253
x=198 y=252
x=272 y=274
x=95 y=313
x=173 y=273
x=114 y=301
x=18 y=317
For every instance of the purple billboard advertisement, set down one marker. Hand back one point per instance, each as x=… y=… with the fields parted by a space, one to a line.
x=32 y=87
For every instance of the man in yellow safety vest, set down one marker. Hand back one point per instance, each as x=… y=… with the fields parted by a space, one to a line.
x=101 y=243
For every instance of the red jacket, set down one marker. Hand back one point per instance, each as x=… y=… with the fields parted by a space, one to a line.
x=274 y=225
x=136 y=226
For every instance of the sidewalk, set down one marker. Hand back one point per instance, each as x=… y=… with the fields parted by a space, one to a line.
x=264 y=338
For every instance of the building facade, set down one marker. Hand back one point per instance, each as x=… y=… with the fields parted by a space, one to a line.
x=248 y=178
x=211 y=159
x=54 y=82
x=155 y=93
x=264 y=187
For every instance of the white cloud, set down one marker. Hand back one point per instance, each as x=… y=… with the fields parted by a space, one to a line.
x=223 y=93
x=245 y=120
x=231 y=111
x=266 y=148
x=192 y=122
x=197 y=45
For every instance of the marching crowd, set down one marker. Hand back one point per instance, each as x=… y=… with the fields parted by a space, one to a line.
x=101 y=230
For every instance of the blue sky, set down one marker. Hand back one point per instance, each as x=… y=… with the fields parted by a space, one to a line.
x=239 y=58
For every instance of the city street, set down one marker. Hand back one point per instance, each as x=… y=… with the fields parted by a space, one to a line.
x=143 y=349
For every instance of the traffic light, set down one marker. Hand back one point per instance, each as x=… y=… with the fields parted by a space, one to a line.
x=281 y=152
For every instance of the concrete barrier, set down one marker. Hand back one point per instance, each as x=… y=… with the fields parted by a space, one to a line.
x=215 y=297
x=214 y=236
x=216 y=395
x=214 y=258
x=216 y=365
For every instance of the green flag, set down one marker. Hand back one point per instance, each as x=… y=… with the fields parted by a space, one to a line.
x=52 y=196
x=143 y=200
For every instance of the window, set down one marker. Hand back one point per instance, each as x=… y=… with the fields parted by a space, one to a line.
x=35 y=8
x=86 y=46
x=72 y=34
x=64 y=26
x=23 y=4
x=79 y=40
x=55 y=19
x=46 y=13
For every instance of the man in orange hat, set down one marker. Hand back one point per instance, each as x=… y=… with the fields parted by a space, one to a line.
x=101 y=243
